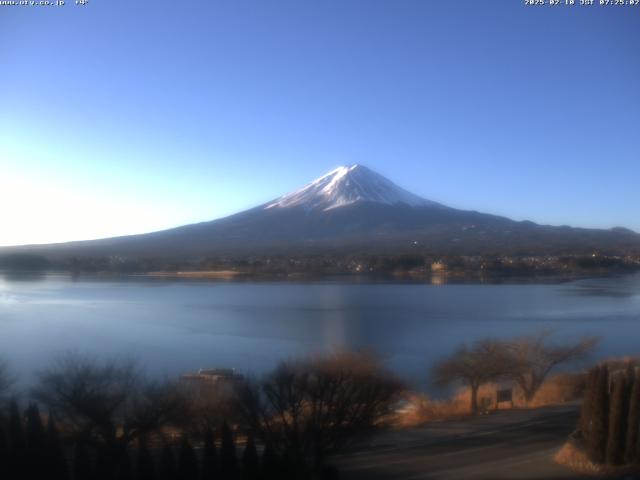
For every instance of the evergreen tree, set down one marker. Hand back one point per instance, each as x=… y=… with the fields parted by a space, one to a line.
x=187 y=461
x=633 y=422
x=36 y=463
x=270 y=463
x=597 y=439
x=145 y=467
x=250 y=461
x=17 y=445
x=617 y=417
x=329 y=472
x=209 y=457
x=56 y=461
x=107 y=463
x=587 y=404
x=293 y=466
x=123 y=472
x=4 y=449
x=82 y=465
x=168 y=469
x=228 y=456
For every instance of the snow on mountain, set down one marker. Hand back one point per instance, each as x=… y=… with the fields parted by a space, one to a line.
x=348 y=185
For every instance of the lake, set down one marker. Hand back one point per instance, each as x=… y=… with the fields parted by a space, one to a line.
x=173 y=327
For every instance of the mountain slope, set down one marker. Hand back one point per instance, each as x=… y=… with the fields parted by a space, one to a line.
x=352 y=209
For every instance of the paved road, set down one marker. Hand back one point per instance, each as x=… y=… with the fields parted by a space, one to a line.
x=513 y=444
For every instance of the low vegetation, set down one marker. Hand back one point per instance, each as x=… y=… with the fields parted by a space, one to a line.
x=556 y=390
x=106 y=421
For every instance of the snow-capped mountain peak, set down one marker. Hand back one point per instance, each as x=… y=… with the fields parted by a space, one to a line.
x=348 y=185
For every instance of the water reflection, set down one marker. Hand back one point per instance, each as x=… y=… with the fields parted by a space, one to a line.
x=176 y=326
x=23 y=276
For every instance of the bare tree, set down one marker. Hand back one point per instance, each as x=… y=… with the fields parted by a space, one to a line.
x=485 y=361
x=535 y=356
x=90 y=397
x=5 y=380
x=317 y=406
x=107 y=403
x=154 y=406
x=210 y=405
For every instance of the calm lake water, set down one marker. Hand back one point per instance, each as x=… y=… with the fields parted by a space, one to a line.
x=178 y=326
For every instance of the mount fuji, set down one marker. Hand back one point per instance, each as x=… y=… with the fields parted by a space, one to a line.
x=351 y=209
x=347 y=186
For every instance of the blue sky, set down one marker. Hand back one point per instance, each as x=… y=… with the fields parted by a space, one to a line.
x=123 y=117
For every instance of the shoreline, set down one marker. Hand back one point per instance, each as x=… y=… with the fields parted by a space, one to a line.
x=400 y=278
